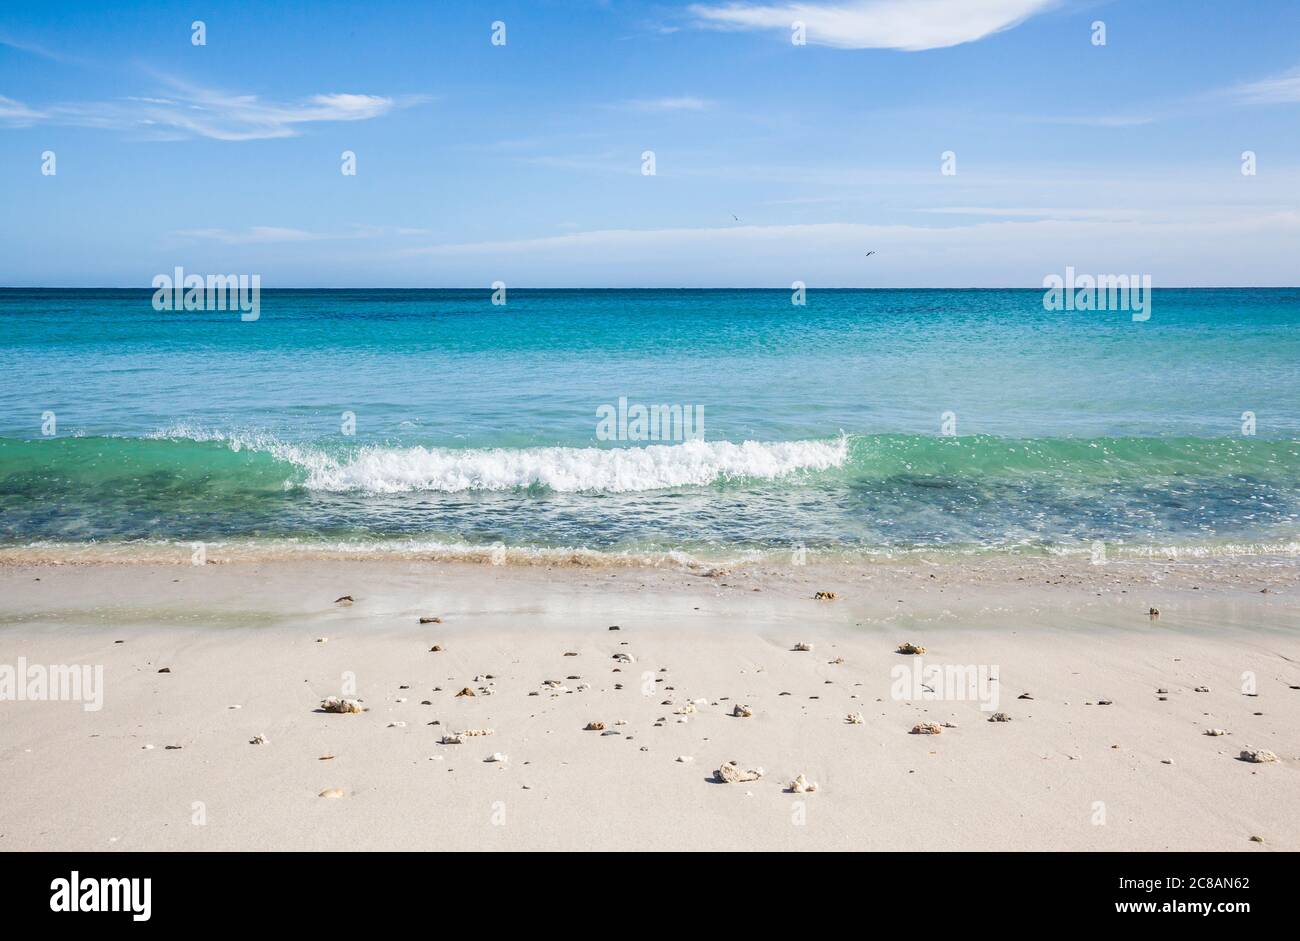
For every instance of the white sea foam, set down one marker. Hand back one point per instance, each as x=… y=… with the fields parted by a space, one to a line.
x=565 y=470
x=385 y=469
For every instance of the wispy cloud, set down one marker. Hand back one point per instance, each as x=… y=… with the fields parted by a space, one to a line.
x=272 y=235
x=17 y=113
x=1280 y=89
x=984 y=253
x=910 y=25
x=608 y=161
x=1028 y=212
x=31 y=48
x=188 y=111
x=254 y=235
x=1098 y=120
x=681 y=103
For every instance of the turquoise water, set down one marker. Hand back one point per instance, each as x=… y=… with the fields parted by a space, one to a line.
x=478 y=424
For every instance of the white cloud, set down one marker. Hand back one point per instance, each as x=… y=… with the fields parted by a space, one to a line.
x=1280 y=89
x=1224 y=248
x=272 y=234
x=1099 y=120
x=609 y=161
x=254 y=235
x=1027 y=212
x=910 y=25
x=191 y=111
x=32 y=48
x=16 y=112
x=681 y=103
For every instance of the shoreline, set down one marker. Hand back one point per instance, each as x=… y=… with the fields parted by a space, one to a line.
x=1071 y=635
x=289 y=549
x=956 y=587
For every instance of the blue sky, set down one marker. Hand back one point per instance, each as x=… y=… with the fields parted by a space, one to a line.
x=522 y=162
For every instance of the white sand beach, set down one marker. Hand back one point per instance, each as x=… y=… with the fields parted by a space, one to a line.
x=1098 y=759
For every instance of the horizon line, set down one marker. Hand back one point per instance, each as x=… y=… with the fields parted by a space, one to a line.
x=489 y=288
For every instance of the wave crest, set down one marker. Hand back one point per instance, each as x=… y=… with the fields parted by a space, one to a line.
x=565 y=470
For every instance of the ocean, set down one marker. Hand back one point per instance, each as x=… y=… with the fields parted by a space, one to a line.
x=667 y=423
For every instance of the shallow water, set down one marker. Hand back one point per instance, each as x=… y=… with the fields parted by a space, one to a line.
x=823 y=425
